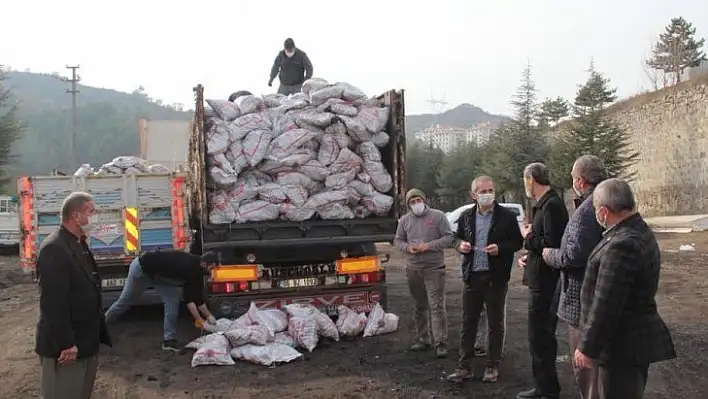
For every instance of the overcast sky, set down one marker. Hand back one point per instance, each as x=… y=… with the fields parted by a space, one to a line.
x=460 y=50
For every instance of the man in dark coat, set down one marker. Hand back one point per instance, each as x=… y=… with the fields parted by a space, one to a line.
x=621 y=330
x=581 y=235
x=488 y=236
x=549 y=219
x=71 y=325
x=294 y=68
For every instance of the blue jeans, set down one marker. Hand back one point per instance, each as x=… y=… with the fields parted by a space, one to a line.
x=135 y=284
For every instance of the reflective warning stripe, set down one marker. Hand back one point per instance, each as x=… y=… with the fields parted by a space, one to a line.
x=131 y=230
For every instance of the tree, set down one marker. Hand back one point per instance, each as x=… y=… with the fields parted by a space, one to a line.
x=423 y=164
x=551 y=111
x=677 y=49
x=11 y=128
x=459 y=168
x=592 y=131
x=516 y=143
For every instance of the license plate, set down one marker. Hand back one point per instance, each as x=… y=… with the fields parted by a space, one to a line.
x=112 y=282
x=299 y=282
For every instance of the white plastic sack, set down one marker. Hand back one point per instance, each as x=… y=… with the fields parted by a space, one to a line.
x=314 y=118
x=158 y=168
x=217 y=139
x=222 y=325
x=304 y=331
x=339 y=181
x=238 y=159
x=295 y=213
x=380 y=139
x=356 y=129
x=369 y=152
x=329 y=149
x=273 y=100
x=255 y=335
x=256 y=211
x=275 y=319
x=318 y=97
x=346 y=161
x=379 y=204
x=290 y=141
x=249 y=104
x=266 y=355
x=213 y=351
x=255 y=145
x=240 y=127
x=284 y=338
x=380 y=178
x=349 y=322
x=374 y=119
x=361 y=212
x=220 y=210
x=84 y=170
x=335 y=211
x=379 y=322
x=326 y=197
x=325 y=326
x=225 y=110
x=299 y=310
x=313 y=84
x=272 y=192
x=351 y=93
x=221 y=177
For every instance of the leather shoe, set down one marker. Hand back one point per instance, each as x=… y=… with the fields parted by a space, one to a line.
x=534 y=394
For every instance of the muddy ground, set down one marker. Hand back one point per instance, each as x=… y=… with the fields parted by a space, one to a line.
x=364 y=368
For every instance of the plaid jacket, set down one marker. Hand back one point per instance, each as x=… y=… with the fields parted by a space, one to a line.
x=580 y=237
x=620 y=324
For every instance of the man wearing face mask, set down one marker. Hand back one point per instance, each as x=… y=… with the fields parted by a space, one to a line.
x=488 y=237
x=580 y=237
x=423 y=234
x=293 y=66
x=549 y=218
x=71 y=325
x=621 y=330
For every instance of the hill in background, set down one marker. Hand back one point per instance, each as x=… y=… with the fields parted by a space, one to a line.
x=107 y=122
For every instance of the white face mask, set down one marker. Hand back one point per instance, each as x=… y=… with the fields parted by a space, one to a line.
x=90 y=224
x=577 y=190
x=418 y=208
x=289 y=53
x=485 y=199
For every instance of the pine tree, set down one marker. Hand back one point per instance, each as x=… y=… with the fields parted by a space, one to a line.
x=11 y=128
x=551 y=111
x=677 y=49
x=591 y=131
x=516 y=143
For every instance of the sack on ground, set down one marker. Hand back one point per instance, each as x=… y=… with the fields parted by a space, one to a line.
x=349 y=322
x=213 y=351
x=274 y=319
x=379 y=322
x=267 y=355
x=304 y=331
x=255 y=334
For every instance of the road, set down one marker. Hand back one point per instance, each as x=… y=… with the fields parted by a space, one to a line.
x=379 y=367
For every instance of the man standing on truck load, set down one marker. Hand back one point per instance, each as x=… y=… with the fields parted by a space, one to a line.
x=166 y=271
x=549 y=218
x=488 y=236
x=423 y=234
x=294 y=67
x=71 y=325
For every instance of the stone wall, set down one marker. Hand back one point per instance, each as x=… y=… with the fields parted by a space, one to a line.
x=669 y=129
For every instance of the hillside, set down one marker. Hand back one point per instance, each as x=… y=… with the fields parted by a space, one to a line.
x=107 y=122
x=464 y=115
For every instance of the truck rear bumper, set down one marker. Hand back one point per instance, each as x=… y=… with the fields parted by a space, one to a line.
x=359 y=299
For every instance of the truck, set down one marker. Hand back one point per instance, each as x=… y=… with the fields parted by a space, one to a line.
x=324 y=263
x=9 y=223
x=165 y=142
x=135 y=213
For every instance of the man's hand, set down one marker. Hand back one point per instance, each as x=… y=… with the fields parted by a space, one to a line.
x=492 y=249
x=526 y=230
x=413 y=248
x=546 y=254
x=465 y=247
x=522 y=261
x=424 y=247
x=270 y=83
x=211 y=319
x=68 y=355
x=581 y=361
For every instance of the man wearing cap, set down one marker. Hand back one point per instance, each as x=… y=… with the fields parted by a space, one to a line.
x=423 y=234
x=293 y=66
x=167 y=272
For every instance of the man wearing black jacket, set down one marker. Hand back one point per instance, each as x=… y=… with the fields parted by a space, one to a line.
x=71 y=325
x=294 y=67
x=546 y=230
x=488 y=236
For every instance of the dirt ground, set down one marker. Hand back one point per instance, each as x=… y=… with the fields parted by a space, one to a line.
x=363 y=368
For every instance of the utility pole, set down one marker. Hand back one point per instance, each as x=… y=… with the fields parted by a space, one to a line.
x=74 y=91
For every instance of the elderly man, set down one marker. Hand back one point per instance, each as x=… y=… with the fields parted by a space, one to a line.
x=581 y=235
x=549 y=219
x=293 y=66
x=423 y=234
x=621 y=331
x=71 y=325
x=488 y=236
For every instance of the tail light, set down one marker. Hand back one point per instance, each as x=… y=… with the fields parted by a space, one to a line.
x=366 y=278
x=229 y=288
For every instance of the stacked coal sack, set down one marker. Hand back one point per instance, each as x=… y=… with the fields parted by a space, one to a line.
x=121 y=166
x=315 y=154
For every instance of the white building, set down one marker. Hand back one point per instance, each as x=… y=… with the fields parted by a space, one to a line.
x=447 y=138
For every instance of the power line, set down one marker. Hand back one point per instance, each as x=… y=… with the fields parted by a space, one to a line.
x=74 y=91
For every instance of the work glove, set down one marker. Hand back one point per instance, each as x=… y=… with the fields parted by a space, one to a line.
x=211 y=320
x=199 y=323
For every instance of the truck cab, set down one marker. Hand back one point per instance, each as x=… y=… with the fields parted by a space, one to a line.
x=9 y=222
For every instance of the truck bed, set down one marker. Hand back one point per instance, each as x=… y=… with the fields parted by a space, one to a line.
x=286 y=233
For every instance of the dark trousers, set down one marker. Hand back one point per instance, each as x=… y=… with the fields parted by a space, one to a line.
x=479 y=291
x=585 y=378
x=73 y=380
x=542 y=341
x=621 y=382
